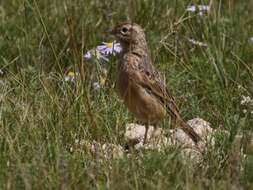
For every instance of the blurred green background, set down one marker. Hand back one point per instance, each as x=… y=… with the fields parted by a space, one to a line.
x=42 y=116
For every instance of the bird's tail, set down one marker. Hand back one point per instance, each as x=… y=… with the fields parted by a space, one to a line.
x=190 y=132
x=179 y=122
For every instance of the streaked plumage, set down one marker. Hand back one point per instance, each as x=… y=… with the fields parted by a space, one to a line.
x=140 y=85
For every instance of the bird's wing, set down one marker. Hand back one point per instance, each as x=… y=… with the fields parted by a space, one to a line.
x=145 y=75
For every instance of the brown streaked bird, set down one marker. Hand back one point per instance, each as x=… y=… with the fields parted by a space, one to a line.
x=140 y=85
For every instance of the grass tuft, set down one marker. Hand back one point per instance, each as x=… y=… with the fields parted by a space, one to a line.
x=42 y=116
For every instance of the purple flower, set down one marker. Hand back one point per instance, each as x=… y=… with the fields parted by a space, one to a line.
x=100 y=56
x=191 y=8
x=88 y=55
x=96 y=54
x=96 y=86
x=110 y=48
x=204 y=8
x=201 y=8
x=102 y=52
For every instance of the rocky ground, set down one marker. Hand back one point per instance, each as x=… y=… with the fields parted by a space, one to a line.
x=159 y=140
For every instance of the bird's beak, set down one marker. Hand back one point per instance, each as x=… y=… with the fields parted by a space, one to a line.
x=110 y=31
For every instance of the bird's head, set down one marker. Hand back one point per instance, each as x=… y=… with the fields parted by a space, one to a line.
x=128 y=33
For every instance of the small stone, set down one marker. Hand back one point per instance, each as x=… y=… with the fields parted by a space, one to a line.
x=112 y=151
x=156 y=140
x=192 y=154
x=107 y=151
x=201 y=126
x=180 y=137
x=135 y=133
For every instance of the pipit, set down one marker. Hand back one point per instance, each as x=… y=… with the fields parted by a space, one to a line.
x=140 y=84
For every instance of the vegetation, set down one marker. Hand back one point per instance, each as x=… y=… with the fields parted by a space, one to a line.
x=42 y=116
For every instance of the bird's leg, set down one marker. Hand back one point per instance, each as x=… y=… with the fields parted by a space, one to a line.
x=156 y=135
x=173 y=123
x=154 y=131
x=146 y=133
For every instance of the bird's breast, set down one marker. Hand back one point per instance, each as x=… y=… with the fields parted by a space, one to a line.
x=139 y=100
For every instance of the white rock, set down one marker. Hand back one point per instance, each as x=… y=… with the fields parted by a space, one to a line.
x=156 y=139
x=201 y=126
x=107 y=150
x=179 y=137
x=135 y=133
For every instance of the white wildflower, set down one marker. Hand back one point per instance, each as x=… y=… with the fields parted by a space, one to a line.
x=200 y=8
x=2 y=83
x=110 y=48
x=102 y=51
x=204 y=8
x=70 y=76
x=76 y=141
x=251 y=40
x=198 y=43
x=246 y=100
x=191 y=8
x=95 y=53
x=96 y=86
x=88 y=55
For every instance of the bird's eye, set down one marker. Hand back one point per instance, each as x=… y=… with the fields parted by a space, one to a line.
x=124 y=30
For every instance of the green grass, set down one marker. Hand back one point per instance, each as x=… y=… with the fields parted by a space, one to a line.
x=41 y=116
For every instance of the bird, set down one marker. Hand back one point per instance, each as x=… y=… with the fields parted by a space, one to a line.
x=140 y=85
